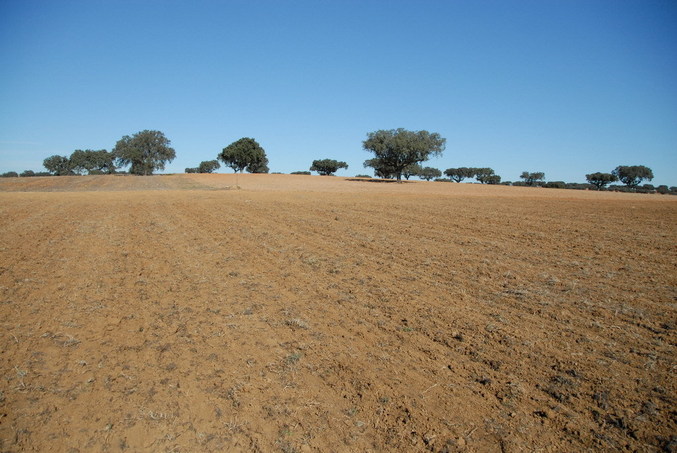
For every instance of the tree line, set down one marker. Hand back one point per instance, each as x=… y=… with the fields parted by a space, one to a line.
x=397 y=153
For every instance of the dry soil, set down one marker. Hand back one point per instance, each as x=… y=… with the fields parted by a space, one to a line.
x=301 y=313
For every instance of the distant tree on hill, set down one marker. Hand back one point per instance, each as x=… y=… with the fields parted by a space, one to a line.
x=486 y=176
x=632 y=175
x=92 y=162
x=599 y=180
x=412 y=170
x=490 y=179
x=191 y=170
x=146 y=151
x=208 y=166
x=532 y=179
x=381 y=168
x=58 y=165
x=10 y=174
x=395 y=149
x=429 y=173
x=302 y=172
x=27 y=174
x=245 y=154
x=459 y=174
x=327 y=166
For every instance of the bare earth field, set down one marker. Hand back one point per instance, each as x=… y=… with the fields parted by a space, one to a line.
x=300 y=313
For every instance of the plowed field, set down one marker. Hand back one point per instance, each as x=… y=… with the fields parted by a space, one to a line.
x=300 y=313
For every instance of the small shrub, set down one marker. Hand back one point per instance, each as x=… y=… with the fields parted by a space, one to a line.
x=555 y=185
x=10 y=174
x=363 y=176
x=300 y=173
x=579 y=186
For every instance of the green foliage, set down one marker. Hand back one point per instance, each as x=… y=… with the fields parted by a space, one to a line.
x=327 y=166
x=486 y=175
x=58 y=165
x=381 y=168
x=363 y=176
x=459 y=174
x=412 y=170
x=555 y=185
x=27 y=174
x=146 y=151
x=9 y=174
x=533 y=179
x=208 y=166
x=599 y=179
x=191 y=170
x=395 y=149
x=490 y=179
x=632 y=175
x=662 y=189
x=92 y=162
x=245 y=154
x=429 y=173
x=304 y=172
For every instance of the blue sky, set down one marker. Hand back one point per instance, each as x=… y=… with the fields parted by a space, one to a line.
x=564 y=87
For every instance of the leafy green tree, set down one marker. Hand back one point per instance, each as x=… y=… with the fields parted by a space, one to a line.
x=27 y=174
x=58 y=165
x=398 y=148
x=382 y=169
x=191 y=170
x=412 y=170
x=600 y=180
x=327 y=166
x=259 y=167
x=459 y=174
x=208 y=166
x=92 y=162
x=490 y=179
x=243 y=154
x=429 y=173
x=632 y=175
x=146 y=151
x=532 y=179
x=486 y=175
x=10 y=174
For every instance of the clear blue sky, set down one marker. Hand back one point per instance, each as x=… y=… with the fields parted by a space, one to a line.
x=564 y=87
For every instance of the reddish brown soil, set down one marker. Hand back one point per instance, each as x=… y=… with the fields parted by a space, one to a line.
x=300 y=313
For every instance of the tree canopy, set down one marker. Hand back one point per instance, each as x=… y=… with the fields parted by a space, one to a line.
x=245 y=154
x=395 y=149
x=92 y=162
x=146 y=151
x=412 y=170
x=459 y=174
x=486 y=176
x=382 y=169
x=632 y=175
x=58 y=165
x=600 y=180
x=208 y=166
x=429 y=173
x=327 y=166
x=532 y=179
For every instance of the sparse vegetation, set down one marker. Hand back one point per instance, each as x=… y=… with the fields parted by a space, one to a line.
x=327 y=167
x=245 y=154
x=533 y=178
x=632 y=175
x=146 y=152
x=396 y=149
